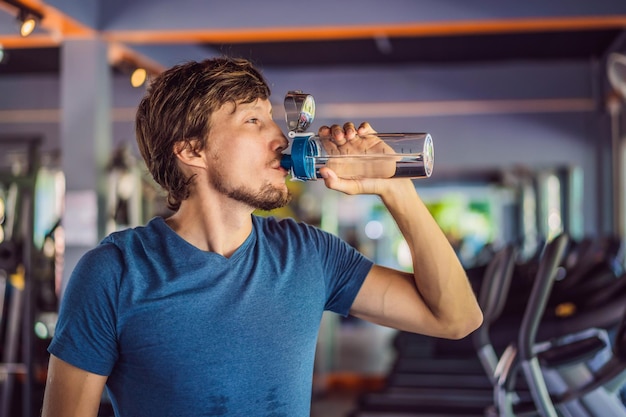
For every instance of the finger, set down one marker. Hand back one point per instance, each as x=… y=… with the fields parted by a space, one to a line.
x=366 y=129
x=329 y=145
x=324 y=132
x=338 y=135
x=350 y=130
x=333 y=182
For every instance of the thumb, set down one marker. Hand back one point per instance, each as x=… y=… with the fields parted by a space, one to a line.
x=333 y=182
x=329 y=176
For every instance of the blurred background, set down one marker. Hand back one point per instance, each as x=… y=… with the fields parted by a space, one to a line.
x=524 y=101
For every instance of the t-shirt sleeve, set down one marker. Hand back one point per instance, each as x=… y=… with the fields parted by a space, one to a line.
x=345 y=269
x=85 y=334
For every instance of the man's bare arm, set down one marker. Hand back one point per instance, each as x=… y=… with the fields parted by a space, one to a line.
x=437 y=298
x=71 y=391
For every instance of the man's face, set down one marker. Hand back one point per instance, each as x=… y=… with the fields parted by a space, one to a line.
x=243 y=151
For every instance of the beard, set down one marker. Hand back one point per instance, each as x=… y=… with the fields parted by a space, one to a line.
x=267 y=198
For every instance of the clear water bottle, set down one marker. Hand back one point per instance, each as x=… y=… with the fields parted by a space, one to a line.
x=380 y=155
x=384 y=155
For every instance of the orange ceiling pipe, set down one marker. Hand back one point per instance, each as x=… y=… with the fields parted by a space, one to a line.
x=286 y=34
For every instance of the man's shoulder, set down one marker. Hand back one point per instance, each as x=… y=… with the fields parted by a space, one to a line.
x=151 y=230
x=122 y=247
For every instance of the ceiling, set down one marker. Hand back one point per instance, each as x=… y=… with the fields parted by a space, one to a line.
x=561 y=45
x=160 y=33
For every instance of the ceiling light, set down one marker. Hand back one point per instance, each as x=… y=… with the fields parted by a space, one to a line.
x=27 y=18
x=27 y=21
x=138 y=77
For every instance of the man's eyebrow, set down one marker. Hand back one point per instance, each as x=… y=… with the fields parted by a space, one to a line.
x=247 y=106
x=253 y=106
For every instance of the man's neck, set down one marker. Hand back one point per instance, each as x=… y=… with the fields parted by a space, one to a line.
x=219 y=228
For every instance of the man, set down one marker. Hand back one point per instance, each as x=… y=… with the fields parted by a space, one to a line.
x=215 y=311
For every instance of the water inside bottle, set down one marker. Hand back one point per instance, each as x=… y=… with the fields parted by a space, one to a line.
x=374 y=166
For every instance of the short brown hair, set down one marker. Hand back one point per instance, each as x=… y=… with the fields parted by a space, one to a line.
x=178 y=106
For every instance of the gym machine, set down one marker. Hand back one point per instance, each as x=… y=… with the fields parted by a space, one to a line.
x=442 y=386
x=577 y=375
x=27 y=284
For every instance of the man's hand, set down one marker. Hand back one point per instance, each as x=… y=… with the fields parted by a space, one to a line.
x=358 y=158
x=348 y=140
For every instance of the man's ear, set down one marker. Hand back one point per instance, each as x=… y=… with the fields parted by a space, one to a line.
x=186 y=152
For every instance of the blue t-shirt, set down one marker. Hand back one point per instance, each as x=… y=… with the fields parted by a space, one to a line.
x=184 y=332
